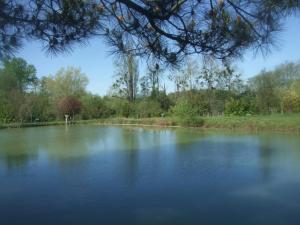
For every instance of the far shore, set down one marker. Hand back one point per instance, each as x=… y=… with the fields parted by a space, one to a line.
x=278 y=123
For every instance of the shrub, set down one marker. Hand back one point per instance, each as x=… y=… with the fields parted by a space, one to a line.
x=148 y=108
x=191 y=121
x=237 y=107
x=183 y=109
x=291 y=102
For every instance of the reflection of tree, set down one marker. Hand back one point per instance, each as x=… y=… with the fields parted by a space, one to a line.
x=69 y=143
x=265 y=160
x=187 y=136
x=17 y=148
x=130 y=140
x=278 y=149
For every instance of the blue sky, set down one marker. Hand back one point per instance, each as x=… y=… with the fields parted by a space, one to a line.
x=95 y=61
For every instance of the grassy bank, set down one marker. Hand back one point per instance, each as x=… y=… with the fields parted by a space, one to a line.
x=37 y=124
x=281 y=123
x=115 y=121
x=284 y=123
x=256 y=123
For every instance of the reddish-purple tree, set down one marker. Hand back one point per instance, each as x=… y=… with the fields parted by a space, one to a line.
x=69 y=106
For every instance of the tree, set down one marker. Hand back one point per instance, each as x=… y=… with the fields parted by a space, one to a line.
x=208 y=76
x=168 y=29
x=93 y=107
x=286 y=73
x=150 y=83
x=17 y=74
x=228 y=79
x=266 y=92
x=291 y=98
x=66 y=82
x=127 y=76
x=69 y=106
x=290 y=101
x=187 y=77
x=17 y=79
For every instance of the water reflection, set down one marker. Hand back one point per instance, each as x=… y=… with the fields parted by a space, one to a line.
x=90 y=174
x=77 y=143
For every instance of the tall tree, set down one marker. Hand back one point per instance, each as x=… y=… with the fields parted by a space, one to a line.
x=17 y=78
x=127 y=76
x=154 y=74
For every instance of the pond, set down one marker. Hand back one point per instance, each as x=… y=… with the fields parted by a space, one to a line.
x=86 y=175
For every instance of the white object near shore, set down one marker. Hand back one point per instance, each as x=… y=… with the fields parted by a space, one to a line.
x=66 y=117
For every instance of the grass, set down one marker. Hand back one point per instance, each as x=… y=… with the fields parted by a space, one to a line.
x=288 y=122
x=37 y=124
x=281 y=123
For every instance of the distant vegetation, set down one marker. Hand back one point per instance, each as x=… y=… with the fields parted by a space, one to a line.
x=202 y=91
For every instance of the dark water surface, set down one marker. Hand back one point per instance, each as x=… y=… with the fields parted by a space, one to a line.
x=86 y=175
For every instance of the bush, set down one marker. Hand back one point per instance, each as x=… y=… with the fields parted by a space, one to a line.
x=93 y=107
x=290 y=102
x=237 y=108
x=148 y=108
x=119 y=107
x=183 y=109
x=191 y=121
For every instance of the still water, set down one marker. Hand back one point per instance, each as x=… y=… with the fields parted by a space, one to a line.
x=97 y=175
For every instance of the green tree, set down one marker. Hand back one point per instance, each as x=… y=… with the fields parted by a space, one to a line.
x=17 y=79
x=93 y=107
x=66 y=82
x=266 y=92
x=17 y=74
x=148 y=108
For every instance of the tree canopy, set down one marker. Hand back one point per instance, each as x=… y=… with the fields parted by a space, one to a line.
x=167 y=29
x=17 y=74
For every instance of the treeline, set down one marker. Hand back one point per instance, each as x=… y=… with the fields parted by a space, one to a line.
x=207 y=90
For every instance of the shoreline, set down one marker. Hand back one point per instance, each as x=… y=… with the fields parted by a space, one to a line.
x=278 y=123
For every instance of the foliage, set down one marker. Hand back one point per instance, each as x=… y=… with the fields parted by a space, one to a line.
x=266 y=92
x=17 y=74
x=150 y=82
x=291 y=98
x=66 y=82
x=238 y=107
x=211 y=90
x=183 y=109
x=93 y=107
x=127 y=76
x=187 y=77
x=148 y=108
x=168 y=29
x=291 y=102
x=192 y=122
x=69 y=106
